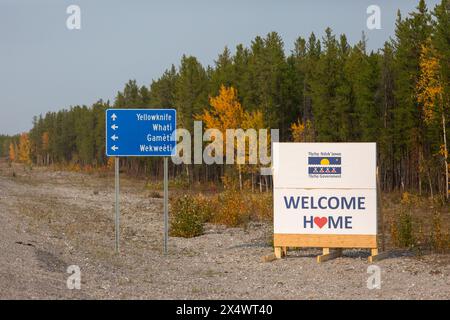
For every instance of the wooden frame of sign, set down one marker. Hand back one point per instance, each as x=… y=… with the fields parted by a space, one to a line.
x=283 y=241
x=287 y=185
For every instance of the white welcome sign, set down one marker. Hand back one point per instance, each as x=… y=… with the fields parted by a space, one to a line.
x=325 y=195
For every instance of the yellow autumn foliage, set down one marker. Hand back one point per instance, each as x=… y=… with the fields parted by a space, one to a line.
x=226 y=111
x=24 y=148
x=429 y=87
x=302 y=132
x=12 y=152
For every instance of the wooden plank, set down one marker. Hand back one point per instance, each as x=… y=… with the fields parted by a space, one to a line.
x=268 y=258
x=324 y=241
x=328 y=255
x=277 y=252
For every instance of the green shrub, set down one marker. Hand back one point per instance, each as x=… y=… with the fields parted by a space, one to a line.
x=155 y=194
x=180 y=182
x=439 y=240
x=188 y=215
x=406 y=237
x=177 y=183
x=402 y=232
x=154 y=185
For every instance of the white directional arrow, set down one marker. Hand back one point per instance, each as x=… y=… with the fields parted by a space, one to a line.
x=114 y=137
x=114 y=117
x=114 y=148
x=114 y=127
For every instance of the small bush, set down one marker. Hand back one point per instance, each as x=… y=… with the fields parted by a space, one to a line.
x=232 y=209
x=402 y=230
x=155 y=194
x=205 y=207
x=188 y=215
x=405 y=230
x=420 y=238
x=402 y=233
x=419 y=224
x=153 y=185
x=177 y=183
x=88 y=169
x=180 y=182
x=439 y=241
x=260 y=206
x=393 y=231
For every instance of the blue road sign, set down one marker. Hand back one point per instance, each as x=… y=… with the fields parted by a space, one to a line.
x=140 y=132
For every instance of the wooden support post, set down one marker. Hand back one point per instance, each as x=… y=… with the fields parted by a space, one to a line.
x=328 y=255
x=376 y=256
x=373 y=255
x=284 y=251
x=278 y=253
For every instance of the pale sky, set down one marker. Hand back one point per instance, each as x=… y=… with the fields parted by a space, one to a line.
x=44 y=66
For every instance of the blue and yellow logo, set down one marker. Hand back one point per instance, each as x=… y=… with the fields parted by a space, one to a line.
x=324 y=165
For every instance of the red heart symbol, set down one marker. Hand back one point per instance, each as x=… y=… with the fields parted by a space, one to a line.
x=320 y=221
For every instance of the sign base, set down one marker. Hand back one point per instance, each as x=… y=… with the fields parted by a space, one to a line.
x=326 y=242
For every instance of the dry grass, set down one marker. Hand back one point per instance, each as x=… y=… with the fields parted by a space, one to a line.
x=417 y=222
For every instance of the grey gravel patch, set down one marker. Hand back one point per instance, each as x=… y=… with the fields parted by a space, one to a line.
x=50 y=261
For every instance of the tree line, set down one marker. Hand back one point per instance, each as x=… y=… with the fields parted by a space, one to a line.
x=324 y=90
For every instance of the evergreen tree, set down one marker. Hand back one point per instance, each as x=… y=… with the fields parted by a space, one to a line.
x=191 y=94
x=162 y=91
x=324 y=86
x=408 y=129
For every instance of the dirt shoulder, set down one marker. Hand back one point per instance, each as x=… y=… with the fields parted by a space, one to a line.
x=50 y=220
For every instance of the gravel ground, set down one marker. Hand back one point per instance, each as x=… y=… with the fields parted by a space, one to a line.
x=50 y=220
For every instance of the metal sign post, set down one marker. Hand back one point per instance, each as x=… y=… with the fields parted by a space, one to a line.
x=141 y=133
x=117 y=204
x=166 y=205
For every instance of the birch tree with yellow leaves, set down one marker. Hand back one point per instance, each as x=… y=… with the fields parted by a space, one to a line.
x=12 y=152
x=430 y=95
x=24 y=148
x=227 y=113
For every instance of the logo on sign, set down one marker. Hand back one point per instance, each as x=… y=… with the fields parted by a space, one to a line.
x=324 y=165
